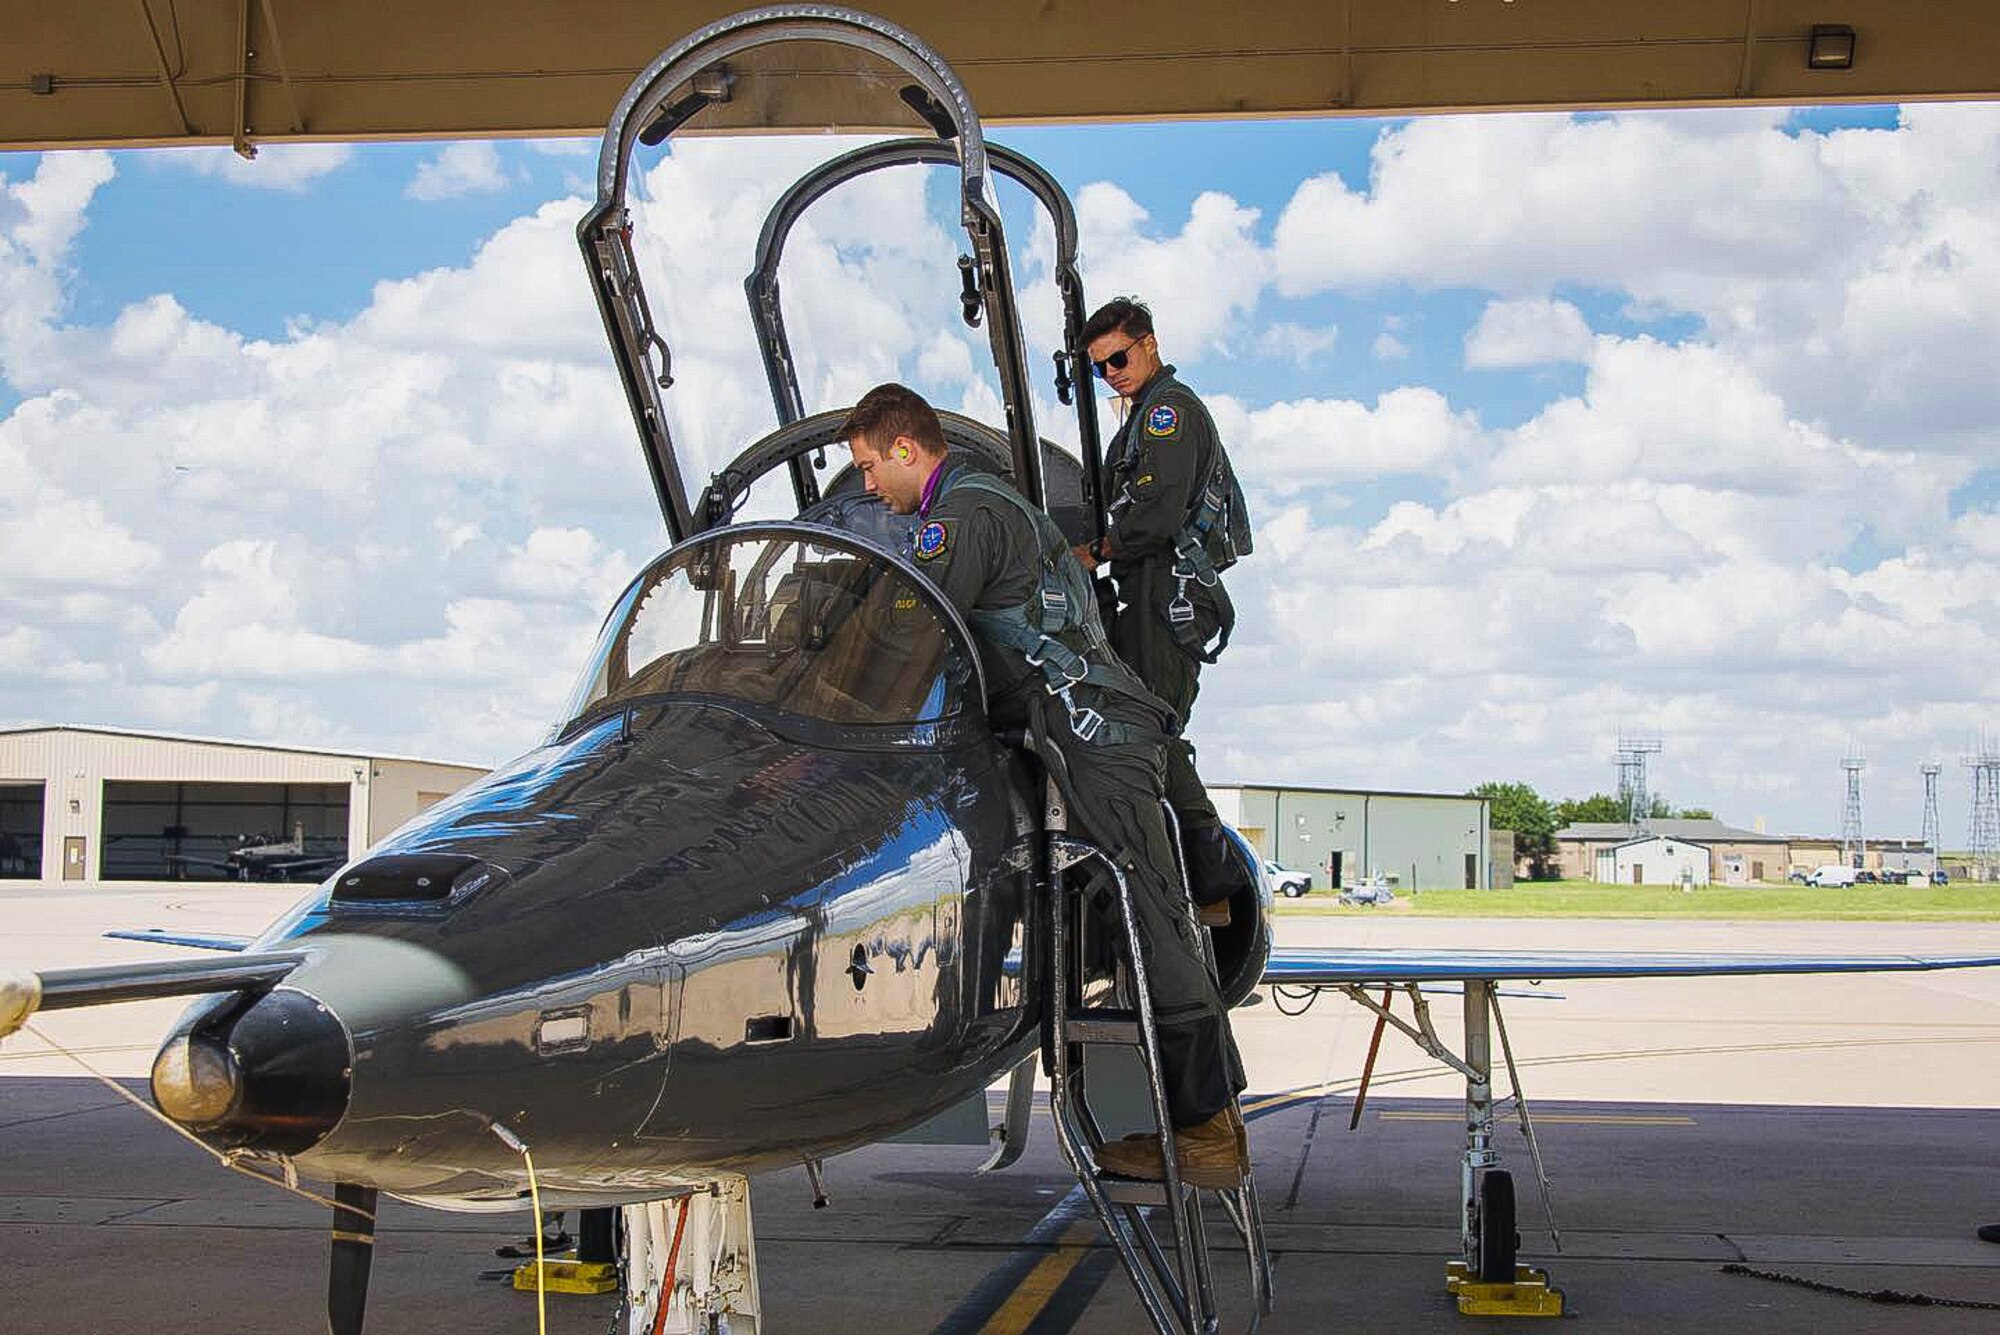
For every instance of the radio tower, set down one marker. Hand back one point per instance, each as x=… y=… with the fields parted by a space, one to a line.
x=1632 y=753
x=1985 y=834
x=1852 y=845
x=1930 y=770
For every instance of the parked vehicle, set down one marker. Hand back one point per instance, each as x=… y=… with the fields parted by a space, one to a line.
x=1799 y=876
x=1831 y=874
x=1290 y=884
x=1940 y=877
x=1376 y=890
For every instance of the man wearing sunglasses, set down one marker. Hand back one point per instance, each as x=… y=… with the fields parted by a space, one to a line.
x=1176 y=518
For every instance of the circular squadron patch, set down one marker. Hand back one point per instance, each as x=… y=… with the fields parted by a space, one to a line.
x=931 y=541
x=1163 y=420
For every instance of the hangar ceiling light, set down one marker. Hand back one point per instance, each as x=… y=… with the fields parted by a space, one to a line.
x=1831 y=47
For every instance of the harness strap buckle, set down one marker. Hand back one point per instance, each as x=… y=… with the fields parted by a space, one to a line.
x=1187 y=567
x=1049 y=654
x=1086 y=723
x=1181 y=610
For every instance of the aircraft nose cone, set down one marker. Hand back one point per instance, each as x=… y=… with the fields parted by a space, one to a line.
x=270 y=1074
x=195 y=1081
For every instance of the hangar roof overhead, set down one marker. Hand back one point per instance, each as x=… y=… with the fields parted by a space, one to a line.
x=243 y=72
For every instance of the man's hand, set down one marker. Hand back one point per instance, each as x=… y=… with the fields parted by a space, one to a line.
x=1085 y=555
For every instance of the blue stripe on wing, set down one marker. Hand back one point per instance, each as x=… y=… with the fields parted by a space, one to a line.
x=1305 y=965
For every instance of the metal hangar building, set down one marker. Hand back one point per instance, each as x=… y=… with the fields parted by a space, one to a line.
x=1425 y=841
x=97 y=804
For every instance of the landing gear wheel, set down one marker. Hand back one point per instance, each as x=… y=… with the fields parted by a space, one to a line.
x=1499 y=1244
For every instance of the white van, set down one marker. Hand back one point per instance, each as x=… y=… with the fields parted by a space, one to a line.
x=1831 y=874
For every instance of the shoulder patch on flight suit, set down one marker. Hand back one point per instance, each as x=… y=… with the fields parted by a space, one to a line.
x=1163 y=420
x=932 y=540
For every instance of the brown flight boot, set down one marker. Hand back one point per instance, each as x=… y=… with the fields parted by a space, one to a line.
x=1235 y=1114
x=1209 y=1155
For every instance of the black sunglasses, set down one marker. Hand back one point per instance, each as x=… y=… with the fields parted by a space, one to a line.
x=1116 y=361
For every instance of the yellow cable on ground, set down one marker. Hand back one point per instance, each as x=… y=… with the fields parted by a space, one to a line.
x=520 y=1147
x=541 y=1265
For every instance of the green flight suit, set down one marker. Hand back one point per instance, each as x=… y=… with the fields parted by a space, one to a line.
x=984 y=553
x=1155 y=467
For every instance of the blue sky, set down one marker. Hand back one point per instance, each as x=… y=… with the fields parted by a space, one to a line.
x=1553 y=426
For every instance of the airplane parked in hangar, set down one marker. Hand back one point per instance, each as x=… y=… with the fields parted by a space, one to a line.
x=264 y=857
x=770 y=889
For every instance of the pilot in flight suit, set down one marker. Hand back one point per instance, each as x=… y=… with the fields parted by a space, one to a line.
x=993 y=555
x=1156 y=469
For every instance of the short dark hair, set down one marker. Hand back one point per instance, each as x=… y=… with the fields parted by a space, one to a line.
x=888 y=411
x=1126 y=315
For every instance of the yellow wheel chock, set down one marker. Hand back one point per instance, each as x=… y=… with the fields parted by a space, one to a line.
x=1530 y=1294
x=569 y=1277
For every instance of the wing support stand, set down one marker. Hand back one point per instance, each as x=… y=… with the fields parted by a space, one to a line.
x=697 y=1254
x=1486 y=1280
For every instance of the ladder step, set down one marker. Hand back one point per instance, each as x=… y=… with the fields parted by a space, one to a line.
x=1132 y=1190
x=1102 y=1024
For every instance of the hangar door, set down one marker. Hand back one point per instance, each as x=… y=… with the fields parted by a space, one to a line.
x=20 y=831
x=223 y=831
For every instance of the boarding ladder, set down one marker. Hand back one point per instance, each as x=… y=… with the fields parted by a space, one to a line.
x=1172 y=1277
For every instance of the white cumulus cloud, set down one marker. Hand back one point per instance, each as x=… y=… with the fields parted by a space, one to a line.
x=469 y=168
x=291 y=167
x=1534 y=332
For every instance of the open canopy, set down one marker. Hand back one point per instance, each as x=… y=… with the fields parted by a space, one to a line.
x=767 y=56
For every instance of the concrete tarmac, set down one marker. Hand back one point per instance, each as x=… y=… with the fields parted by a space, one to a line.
x=1836 y=1129
x=111 y=1223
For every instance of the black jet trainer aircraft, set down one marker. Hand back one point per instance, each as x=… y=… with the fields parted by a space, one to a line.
x=770 y=889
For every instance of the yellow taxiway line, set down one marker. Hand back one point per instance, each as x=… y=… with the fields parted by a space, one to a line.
x=1039 y=1285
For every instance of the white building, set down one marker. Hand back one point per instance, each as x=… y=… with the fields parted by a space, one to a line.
x=98 y=804
x=1655 y=860
x=1427 y=841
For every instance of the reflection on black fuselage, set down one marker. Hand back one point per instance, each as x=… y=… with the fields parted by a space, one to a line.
x=697 y=938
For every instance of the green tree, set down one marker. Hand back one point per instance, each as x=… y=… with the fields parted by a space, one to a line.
x=1598 y=808
x=1695 y=813
x=1518 y=807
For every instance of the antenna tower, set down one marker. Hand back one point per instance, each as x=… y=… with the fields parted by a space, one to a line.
x=1930 y=770
x=1632 y=753
x=1985 y=833
x=1852 y=845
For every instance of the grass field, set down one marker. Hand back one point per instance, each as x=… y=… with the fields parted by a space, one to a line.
x=1589 y=899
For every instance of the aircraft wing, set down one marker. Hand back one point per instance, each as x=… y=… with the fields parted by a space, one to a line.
x=1332 y=967
x=23 y=994
x=197 y=940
